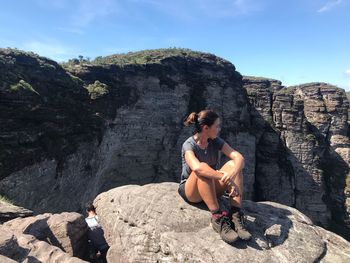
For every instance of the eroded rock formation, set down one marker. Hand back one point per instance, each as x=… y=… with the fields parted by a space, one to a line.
x=152 y=223
x=303 y=146
x=9 y=211
x=44 y=238
x=68 y=135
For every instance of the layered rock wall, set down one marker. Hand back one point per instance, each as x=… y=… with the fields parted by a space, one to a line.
x=72 y=134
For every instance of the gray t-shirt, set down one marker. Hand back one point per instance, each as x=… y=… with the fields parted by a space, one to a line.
x=210 y=156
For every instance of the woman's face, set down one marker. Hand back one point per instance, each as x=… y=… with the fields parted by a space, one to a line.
x=214 y=130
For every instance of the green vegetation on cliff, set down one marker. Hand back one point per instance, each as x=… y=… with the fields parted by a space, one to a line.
x=144 y=57
x=97 y=90
x=4 y=199
x=22 y=85
x=51 y=125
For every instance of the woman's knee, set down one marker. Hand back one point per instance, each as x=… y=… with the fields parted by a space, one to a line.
x=191 y=189
x=228 y=166
x=201 y=178
x=230 y=163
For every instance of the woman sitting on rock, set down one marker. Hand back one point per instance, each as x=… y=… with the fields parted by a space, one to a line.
x=200 y=181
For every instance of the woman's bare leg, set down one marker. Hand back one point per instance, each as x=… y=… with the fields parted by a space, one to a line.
x=236 y=201
x=198 y=188
x=221 y=188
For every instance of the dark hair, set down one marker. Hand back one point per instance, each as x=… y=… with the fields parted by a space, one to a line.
x=204 y=117
x=90 y=207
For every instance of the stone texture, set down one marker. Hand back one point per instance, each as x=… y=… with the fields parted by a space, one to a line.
x=44 y=252
x=4 y=259
x=7 y=241
x=17 y=247
x=295 y=140
x=303 y=147
x=44 y=112
x=152 y=223
x=67 y=231
x=179 y=83
x=9 y=211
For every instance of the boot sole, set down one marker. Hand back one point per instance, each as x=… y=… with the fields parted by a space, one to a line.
x=229 y=242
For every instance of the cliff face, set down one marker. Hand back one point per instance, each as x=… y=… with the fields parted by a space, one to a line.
x=303 y=147
x=118 y=121
x=44 y=112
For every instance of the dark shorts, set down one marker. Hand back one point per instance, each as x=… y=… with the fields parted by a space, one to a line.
x=181 y=191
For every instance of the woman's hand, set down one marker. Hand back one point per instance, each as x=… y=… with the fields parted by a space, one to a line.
x=227 y=178
x=224 y=175
x=234 y=190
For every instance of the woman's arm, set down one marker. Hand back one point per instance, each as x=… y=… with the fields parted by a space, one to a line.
x=201 y=168
x=236 y=157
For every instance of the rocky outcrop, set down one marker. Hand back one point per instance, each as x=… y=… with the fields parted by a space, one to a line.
x=143 y=113
x=44 y=117
x=4 y=259
x=26 y=248
x=67 y=231
x=118 y=121
x=152 y=223
x=9 y=211
x=303 y=147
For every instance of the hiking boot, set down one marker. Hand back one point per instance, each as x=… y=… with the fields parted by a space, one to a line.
x=238 y=221
x=222 y=224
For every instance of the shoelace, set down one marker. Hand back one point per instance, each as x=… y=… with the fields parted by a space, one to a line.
x=241 y=221
x=242 y=217
x=226 y=223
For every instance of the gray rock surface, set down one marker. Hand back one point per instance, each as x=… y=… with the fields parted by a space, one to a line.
x=7 y=242
x=4 y=259
x=17 y=247
x=152 y=223
x=303 y=147
x=71 y=147
x=67 y=231
x=9 y=211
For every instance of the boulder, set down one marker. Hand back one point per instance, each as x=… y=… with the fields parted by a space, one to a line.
x=67 y=231
x=17 y=247
x=8 y=242
x=152 y=223
x=9 y=211
x=4 y=259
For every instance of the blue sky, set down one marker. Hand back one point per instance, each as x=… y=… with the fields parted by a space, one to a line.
x=295 y=41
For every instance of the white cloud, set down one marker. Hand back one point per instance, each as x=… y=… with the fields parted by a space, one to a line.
x=329 y=5
x=51 y=49
x=81 y=12
x=347 y=72
x=90 y=10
